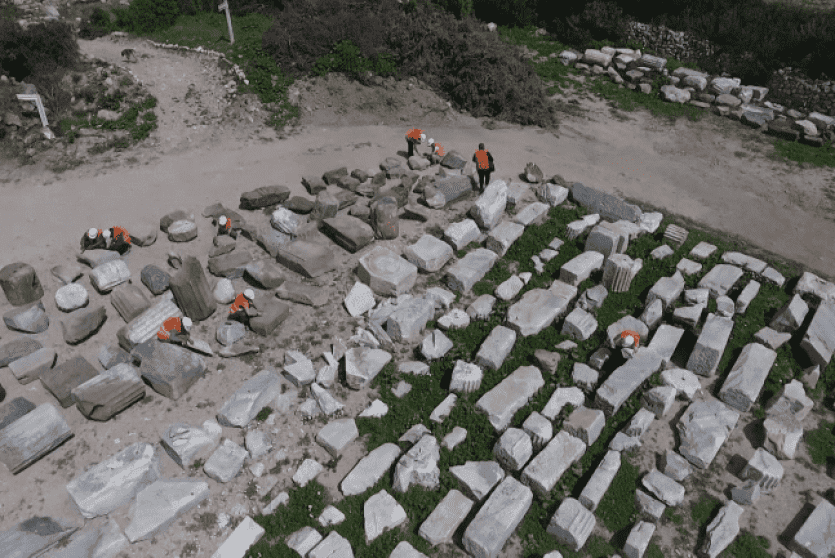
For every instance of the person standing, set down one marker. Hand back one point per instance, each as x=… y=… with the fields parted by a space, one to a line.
x=484 y=164
x=414 y=137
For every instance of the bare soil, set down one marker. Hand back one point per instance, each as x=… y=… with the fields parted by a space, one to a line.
x=714 y=172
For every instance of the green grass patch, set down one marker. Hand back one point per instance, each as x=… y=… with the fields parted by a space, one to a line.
x=746 y=545
x=703 y=511
x=821 y=443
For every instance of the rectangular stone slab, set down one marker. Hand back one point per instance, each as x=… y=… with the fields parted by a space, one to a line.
x=623 y=382
x=608 y=206
x=548 y=466
x=510 y=395
x=129 y=301
x=747 y=377
x=466 y=272
x=445 y=518
x=61 y=380
x=110 y=392
x=710 y=345
x=171 y=370
x=32 y=436
x=34 y=536
x=145 y=326
x=306 y=258
x=273 y=313
x=348 y=232
x=819 y=339
x=302 y=293
x=13 y=410
x=191 y=290
x=497 y=519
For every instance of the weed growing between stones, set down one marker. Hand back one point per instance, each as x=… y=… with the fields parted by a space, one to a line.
x=821 y=443
x=704 y=510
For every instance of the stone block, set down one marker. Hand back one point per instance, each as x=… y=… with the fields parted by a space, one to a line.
x=406 y=323
x=462 y=233
x=27 y=369
x=747 y=377
x=510 y=395
x=32 y=436
x=349 y=232
x=620 y=385
x=20 y=284
x=579 y=325
x=703 y=429
x=17 y=348
x=171 y=370
x=429 y=253
x=497 y=519
x=370 y=469
x=572 y=524
x=549 y=465
x=721 y=279
x=442 y=523
x=663 y=487
x=336 y=435
x=608 y=206
x=710 y=345
x=302 y=293
x=306 y=258
x=61 y=380
x=191 y=290
x=272 y=313
x=581 y=267
x=502 y=237
x=157 y=506
x=466 y=272
x=815 y=535
x=585 y=424
x=362 y=364
x=488 y=209
x=495 y=349
x=107 y=394
x=819 y=340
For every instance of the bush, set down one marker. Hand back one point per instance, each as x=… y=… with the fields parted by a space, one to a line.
x=513 y=13
x=97 y=25
x=346 y=57
x=147 y=16
x=599 y=21
x=38 y=50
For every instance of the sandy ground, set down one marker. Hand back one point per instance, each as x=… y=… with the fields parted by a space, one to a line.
x=714 y=172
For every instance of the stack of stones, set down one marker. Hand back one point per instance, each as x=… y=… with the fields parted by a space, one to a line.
x=724 y=95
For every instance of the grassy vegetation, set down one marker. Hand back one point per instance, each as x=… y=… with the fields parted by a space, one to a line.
x=617 y=509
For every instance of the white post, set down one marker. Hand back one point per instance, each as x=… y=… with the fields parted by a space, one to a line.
x=225 y=6
x=37 y=98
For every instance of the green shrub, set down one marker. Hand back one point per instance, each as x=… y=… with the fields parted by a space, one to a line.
x=346 y=57
x=147 y=16
x=97 y=25
x=600 y=20
x=40 y=49
x=514 y=13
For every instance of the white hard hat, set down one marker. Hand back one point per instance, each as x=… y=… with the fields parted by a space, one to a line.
x=628 y=340
x=187 y=323
x=106 y=234
x=222 y=220
x=431 y=141
x=249 y=294
x=92 y=233
x=422 y=137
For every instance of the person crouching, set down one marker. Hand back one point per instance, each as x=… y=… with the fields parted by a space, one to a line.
x=242 y=309
x=176 y=330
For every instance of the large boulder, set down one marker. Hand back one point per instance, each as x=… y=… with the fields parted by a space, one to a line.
x=264 y=197
x=20 y=284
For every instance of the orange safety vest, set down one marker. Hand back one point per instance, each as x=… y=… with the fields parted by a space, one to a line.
x=228 y=226
x=241 y=302
x=627 y=333
x=171 y=324
x=120 y=231
x=414 y=133
x=439 y=149
x=483 y=161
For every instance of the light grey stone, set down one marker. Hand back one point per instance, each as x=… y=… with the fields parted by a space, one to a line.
x=725 y=307
x=429 y=253
x=370 y=469
x=662 y=252
x=488 y=209
x=246 y=534
x=585 y=424
x=382 y=513
x=329 y=405
x=513 y=449
x=688 y=267
x=668 y=289
x=630 y=323
x=466 y=377
x=27 y=369
x=552 y=194
x=307 y=471
x=255 y=394
x=359 y=300
x=747 y=377
x=790 y=317
x=722 y=531
x=362 y=364
x=746 y=296
x=510 y=395
x=258 y=443
x=510 y=288
x=157 y=506
x=750 y=263
x=593 y=298
x=783 y=433
x=330 y=516
x=572 y=524
x=600 y=480
x=580 y=268
x=455 y=437
x=585 y=376
x=454 y=319
x=685 y=382
x=675 y=466
x=721 y=279
x=747 y=494
x=418 y=466
x=477 y=478
x=115 y=481
x=304 y=540
x=648 y=507
x=620 y=385
x=638 y=539
x=71 y=297
x=622 y=442
x=108 y=275
x=226 y=462
x=32 y=436
x=376 y=409
x=816 y=533
x=665 y=341
x=710 y=345
x=461 y=234
x=444 y=408
x=791 y=398
x=560 y=398
x=450 y=512
x=386 y=273
x=495 y=348
x=405 y=550
x=407 y=322
x=184 y=444
x=579 y=325
x=539 y=429
x=413 y=367
x=100 y=538
x=660 y=400
x=536 y=310
x=435 y=345
x=534 y=212
x=414 y=434
x=663 y=487
x=549 y=465
x=336 y=435
x=771 y=338
x=702 y=251
x=703 y=429
x=497 y=519
x=640 y=422
x=502 y=237
x=298 y=369
x=819 y=340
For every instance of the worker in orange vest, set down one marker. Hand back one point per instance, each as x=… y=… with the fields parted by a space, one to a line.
x=484 y=166
x=114 y=238
x=435 y=148
x=414 y=137
x=629 y=341
x=224 y=226
x=175 y=330
x=241 y=309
